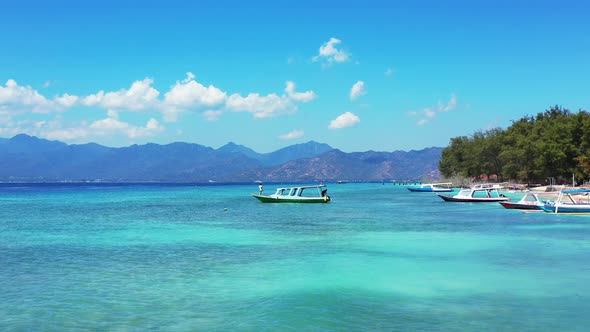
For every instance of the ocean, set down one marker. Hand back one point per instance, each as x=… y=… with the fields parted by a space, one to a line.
x=165 y=257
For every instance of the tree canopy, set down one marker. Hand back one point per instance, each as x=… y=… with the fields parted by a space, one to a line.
x=552 y=144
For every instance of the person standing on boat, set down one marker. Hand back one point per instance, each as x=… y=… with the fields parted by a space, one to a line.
x=260 y=189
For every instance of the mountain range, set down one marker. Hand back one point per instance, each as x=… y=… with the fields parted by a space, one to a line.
x=25 y=158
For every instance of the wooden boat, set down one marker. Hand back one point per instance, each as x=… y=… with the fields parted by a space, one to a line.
x=574 y=201
x=531 y=201
x=432 y=187
x=476 y=194
x=301 y=194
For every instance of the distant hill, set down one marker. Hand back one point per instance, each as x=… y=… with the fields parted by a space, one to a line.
x=27 y=158
x=336 y=165
x=280 y=156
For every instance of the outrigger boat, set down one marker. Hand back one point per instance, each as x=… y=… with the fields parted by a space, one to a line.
x=301 y=194
x=570 y=201
x=477 y=194
x=531 y=201
x=432 y=187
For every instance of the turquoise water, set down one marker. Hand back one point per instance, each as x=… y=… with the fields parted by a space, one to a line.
x=194 y=258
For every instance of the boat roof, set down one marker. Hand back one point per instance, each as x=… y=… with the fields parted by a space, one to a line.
x=480 y=189
x=304 y=187
x=576 y=191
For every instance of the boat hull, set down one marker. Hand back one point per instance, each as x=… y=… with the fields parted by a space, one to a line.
x=573 y=209
x=520 y=206
x=473 y=199
x=271 y=199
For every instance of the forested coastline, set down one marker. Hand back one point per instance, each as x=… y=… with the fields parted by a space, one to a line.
x=553 y=146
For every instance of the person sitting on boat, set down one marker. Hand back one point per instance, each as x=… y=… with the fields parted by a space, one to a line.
x=324 y=192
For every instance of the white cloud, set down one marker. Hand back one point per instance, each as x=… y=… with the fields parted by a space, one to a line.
x=190 y=94
x=303 y=97
x=292 y=135
x=212 y=115
x=67 y=134
x=66 y=100
x=151 y=127
x=140 y=96
x=357 y=90
x=50 y=129
x=345 y=120
x=450 y=105
x=389 y=72
x=16 y=99
x=110 y=126
x=261 y=106
x=185 y=95
x=330 y=53
x=431 y=112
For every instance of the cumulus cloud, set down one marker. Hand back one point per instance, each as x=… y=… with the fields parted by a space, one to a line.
x=140 y=96
x=303 y=97
x=357 y=90
x=292 y=135
x=111 y=126
x=66 y=100
x=185 y=95
x=17 y=99
x=271 y=105
x=189 y=93
x=67 y=134
x=429 y=113
x=261 y=106
x=50 y=129
x=345 y=120
x=330 y=53
x=55 y=129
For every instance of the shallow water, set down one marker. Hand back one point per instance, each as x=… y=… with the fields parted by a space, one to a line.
x=186 y=258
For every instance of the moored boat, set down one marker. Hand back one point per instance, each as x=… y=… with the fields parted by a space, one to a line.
x=432 y=187
x=574 y=201
x=300 y=194
x=531 y=201
x=477 y=194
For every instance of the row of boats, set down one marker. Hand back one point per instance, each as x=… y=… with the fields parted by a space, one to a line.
x=571 y=201
x=576 y=201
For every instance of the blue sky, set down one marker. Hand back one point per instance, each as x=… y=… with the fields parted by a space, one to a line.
x=403 y=75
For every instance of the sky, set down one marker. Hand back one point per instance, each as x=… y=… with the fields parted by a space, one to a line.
x=359 y=76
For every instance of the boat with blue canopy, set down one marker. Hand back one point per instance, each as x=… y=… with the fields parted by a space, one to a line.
x=573 y=201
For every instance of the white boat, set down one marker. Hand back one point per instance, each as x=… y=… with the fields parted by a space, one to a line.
x=477 y=194
x=532 y=201
x=432 y=187
x=300 y=194
x=574 y=201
